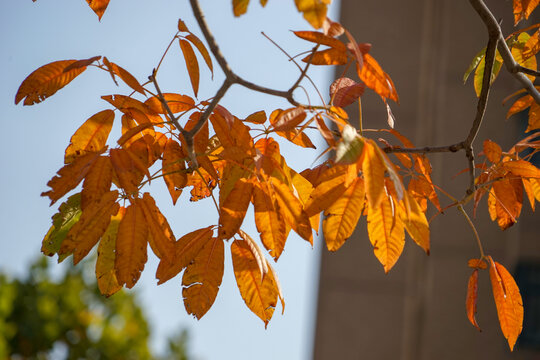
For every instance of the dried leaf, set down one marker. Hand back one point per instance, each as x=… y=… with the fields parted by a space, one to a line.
x=523 y=9
x=345 y=91
x=176 y=102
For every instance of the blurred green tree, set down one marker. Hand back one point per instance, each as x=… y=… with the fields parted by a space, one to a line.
x=41 y=318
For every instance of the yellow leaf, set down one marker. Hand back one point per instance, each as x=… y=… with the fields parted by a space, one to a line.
x=341 y=217
x=508 y=301
x=91 y=136
x=106 y=256
x=270 y=225
x=373 y=171
x=97 y=182
x=85 y=234
x=314 y=11
x=131 y=244
x=240 y=7
x=202 y=278
x=192 y=64
x=415 y=222
x=186 y=249
x=98 y=6
x=331 y=186
x=47 y=80
x=518 y=53
x=292 y=210
x=256 y=251
x=69 y=176
x=386 y=232
x=176 y=102
x=259 y=296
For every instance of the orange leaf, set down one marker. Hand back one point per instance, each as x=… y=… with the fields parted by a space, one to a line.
x=85 y=234
x=289 y=119
x=182 y=26
x=129 y=177
x=376 y=79
x=259 y=296
x=508 y=301
x=233 y=208
x=320 y=38
x=202 y=278
x=98 y=6
x=258 y=117
x=161 y=236
x=341 y=217
x=256 y=251
x=69 y=176
x=522 y=168
x=270 y=225
x=177 y=103
x=472 y=297
x=187 y=248
x=133 y=132
x=97 y=182
x=508 y=205
x=534 y=117
x=91 y=136
x=47 y=80
x=492 y=151
x=174 y=169
x=519 y=105
x=202 y=49
x=106 y=256
x=314 y=11
x=386 y=232
x=192 y=64
x=292 y=210
x=129 y=79
x=415 y=222
x=345 y=91
x=240 y=7
x=327 y=57
x=477 y=264
x=131 y=245
x=331 y=185
x=523 y=8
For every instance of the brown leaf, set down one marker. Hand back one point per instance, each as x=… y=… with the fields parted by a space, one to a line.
x=345 y=91
x=131 y=246
x=508 y=301
x=202 y=278
x=289 y=119
x=330 y=186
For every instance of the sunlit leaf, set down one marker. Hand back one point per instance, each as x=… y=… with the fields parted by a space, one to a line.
x=416 y=223
x=345 y=91
x=106 y=257
x=131 y=245
x=492 y=151
x=174 y=169
x=332 y=184
x=373 y=171
x=161 y=236
x=85 y=234
x=98 y=6
x=472 y=297
x=523 y=9
x=522 y=168
x=192 y=64
x=176 y=102
x=508 y=301
x=97 y=182
x=123 y=74
x=314 y=11
x=233 y=208
x=376 y=79
x=320 y=38
x=202 y=278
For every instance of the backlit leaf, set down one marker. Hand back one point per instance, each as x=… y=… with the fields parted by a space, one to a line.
x=327 y=57
x=174 y=169
x=519 y=105
x=415 y=223
x=97 y=182
x=523 y=9
x=345 y=91
x=492 y=151
x=258 y=117
x=85 y=234
x=240 y=7
x=161 y=236
x=177 y=103
x=477 y=264
x=270 y=225
x=376 y=79
x=259 y=296
x=522 y=168
x=202 y=278
x=131 y=246
x=314 y=11
x=508 y=301
x=47 y=80
x=386 y=232
x=472 y=297
x=341 y=217
x=373 y=172
x=123 y=74
x=332 y=184
x=192 y=64
x=98 y=6
x=256 y=251
x=69 y=176
x=320 y=38
x=289 y=119
x=128 y=175
x=106 y=257
x=68 y=214
x=91 y=136
x=186 y=249
x=233 y=208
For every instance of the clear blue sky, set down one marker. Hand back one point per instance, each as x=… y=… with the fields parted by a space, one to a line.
x=134 y=33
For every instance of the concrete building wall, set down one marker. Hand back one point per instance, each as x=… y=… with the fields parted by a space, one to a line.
x=417 y=311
